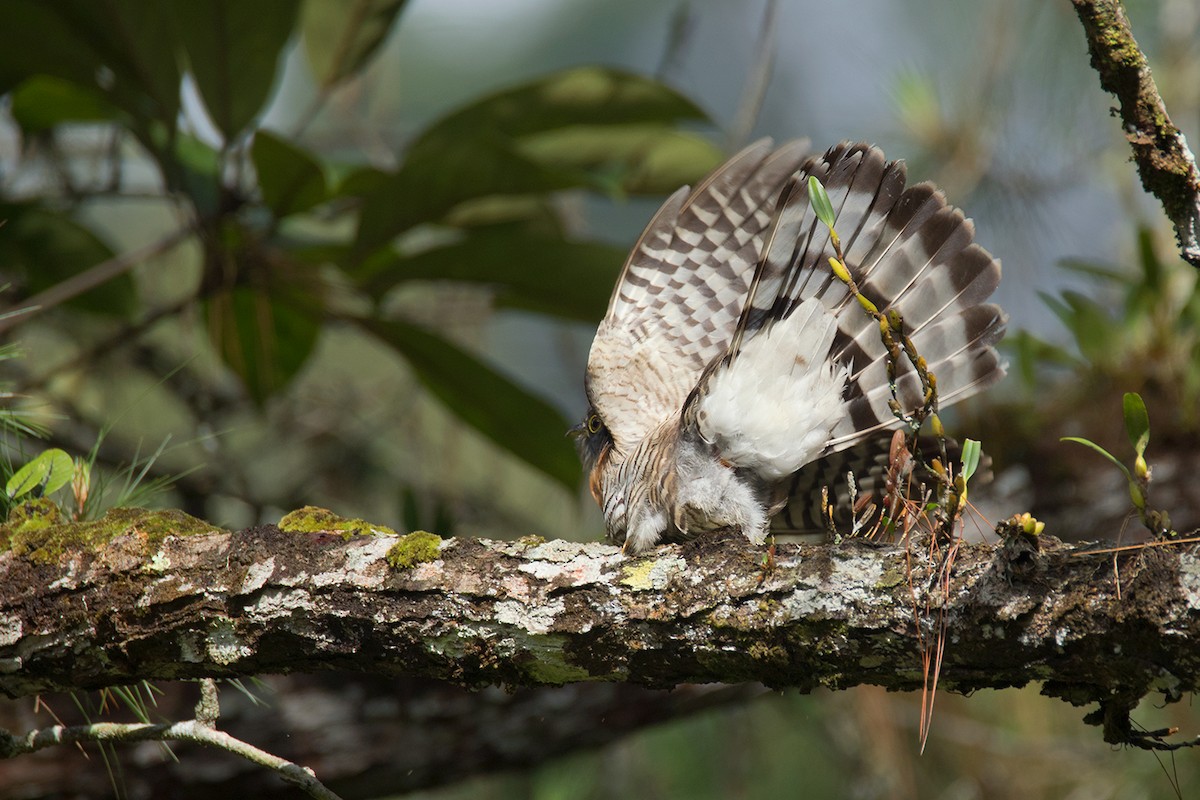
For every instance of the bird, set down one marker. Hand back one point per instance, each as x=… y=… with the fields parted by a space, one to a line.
x=733 y=371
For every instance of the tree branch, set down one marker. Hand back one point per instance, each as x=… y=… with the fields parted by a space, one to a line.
x=1165 y=164
x=193 y=730
x=144 y=603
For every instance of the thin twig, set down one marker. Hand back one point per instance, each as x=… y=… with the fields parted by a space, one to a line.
x=91 y=278
x=105 y=346
x=1165 y=164
x=755 y=90
x=193 y=730
x=1139 y=546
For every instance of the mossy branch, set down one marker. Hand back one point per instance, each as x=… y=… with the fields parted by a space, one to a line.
x=207 y=603
x=1166 y=166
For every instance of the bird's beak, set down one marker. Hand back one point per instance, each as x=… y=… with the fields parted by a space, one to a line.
x=578 y=431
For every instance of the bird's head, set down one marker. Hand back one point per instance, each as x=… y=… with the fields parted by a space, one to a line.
x=594 y=443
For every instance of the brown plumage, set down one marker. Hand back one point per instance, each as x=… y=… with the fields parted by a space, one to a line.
x=732 y=361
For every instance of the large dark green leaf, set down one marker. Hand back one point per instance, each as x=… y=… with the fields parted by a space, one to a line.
x=580 y=96
x=261 y=336
x=234 y=48
x=291 y=180
x=44 y=101
x=124 y=48
x=590 y=126
x=433 y=181
x=509 y=415
x=540 y=273
x=340 y=36
x=136 y=41
x=49 y=247
x=43 y=43
x=638 y=158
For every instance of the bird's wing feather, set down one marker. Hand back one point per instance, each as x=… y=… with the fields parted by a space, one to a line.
x=679 y=296
x=907 y=249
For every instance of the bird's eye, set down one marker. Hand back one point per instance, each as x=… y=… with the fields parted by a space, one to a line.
x=594 y=424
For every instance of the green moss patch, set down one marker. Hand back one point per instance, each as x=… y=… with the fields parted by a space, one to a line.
x=313 y=519
x=418 y=547
x=40 y=533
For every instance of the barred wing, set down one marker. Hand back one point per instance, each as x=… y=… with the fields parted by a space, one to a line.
x=677 y=302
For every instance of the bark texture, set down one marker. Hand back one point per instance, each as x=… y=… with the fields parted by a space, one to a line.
x=1106 y=628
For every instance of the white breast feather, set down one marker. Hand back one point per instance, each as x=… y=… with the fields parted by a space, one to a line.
x=772 y=409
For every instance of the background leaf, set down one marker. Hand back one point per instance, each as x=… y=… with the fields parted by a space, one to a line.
x=44 y=101
x=441 y=175
x=233 y=50
x=641 y=158
x=534 y=272
x=49 y=247
x=340 y=36
x=585 y=127
x=581 y=96
x=45 y=43
x=506 y=413
x=261 y=337
x=124 y=49
x=291 y=180
x=198 y=167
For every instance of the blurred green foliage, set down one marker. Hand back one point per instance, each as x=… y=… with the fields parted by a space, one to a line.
x=859 y=743
x=293 y=242
x=1139 y=329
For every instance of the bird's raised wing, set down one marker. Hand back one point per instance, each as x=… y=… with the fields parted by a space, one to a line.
x=908 y=250
x=677 y=302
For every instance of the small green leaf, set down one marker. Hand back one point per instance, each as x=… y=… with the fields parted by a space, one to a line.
x=340 y=36
x=1137 y=422
x=508 y=414
x=49 y=471
x=1101 y=451
x=970 y=458
x=291 y=180
x=45 y=101
x=819 y=199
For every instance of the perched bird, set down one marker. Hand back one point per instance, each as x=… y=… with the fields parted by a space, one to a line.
x=733 y=369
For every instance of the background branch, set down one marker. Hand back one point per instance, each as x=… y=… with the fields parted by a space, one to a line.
x=1165 y=164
